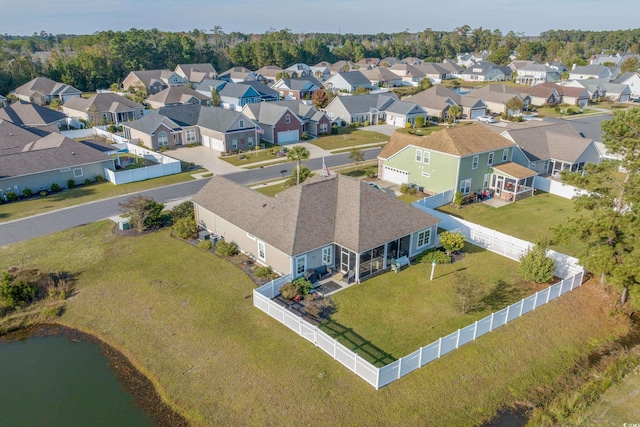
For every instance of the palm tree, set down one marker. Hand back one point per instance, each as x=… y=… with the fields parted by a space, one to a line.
x=454 y=112
x=298 y=154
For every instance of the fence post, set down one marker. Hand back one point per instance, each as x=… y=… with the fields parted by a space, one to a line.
x=548 y=293
x=439 y=347
x=506 y=318
x=399 y=367
x=491 y=323
x=535 y=301
x=475 y=330
x=521 y=305
x=458 y=339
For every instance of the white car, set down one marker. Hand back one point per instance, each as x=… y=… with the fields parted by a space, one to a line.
x=486 y=119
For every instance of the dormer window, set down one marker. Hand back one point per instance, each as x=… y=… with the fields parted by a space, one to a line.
x=241 y=123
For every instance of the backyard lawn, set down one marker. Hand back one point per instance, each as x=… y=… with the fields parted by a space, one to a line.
x=253 y=156
x=398 y=313
x=348 y=137
x=528 y=219
x=192 y=328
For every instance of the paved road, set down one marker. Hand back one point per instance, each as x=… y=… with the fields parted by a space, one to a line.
x=28 y=228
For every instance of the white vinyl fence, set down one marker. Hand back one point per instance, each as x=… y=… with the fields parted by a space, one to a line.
x=95 y=131
x=557 y=188
x=436 y=200
x=166 y=166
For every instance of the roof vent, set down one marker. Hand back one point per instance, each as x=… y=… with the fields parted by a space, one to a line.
x=264 y=205
x=73 y=153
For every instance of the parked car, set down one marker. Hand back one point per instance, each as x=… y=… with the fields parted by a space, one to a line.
x=486 y=119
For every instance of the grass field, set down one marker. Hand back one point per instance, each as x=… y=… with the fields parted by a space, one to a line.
x=83 y=194
x=185 y=318
x=348 y=137
x=528 y=219
x=250 y=157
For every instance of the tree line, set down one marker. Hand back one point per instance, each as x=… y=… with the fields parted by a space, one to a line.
x=95 y=61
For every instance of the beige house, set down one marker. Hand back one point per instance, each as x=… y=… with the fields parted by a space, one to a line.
x=42 y=91
x=337 y=221
x=104 y=108
x=153 y=81
x=176 y=95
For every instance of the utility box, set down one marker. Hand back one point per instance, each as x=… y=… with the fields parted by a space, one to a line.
x=124 y=225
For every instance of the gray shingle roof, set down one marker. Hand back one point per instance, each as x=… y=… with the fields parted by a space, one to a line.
x=321 y=211
x=214 y=118
x=362 y=103
x=44 y=86
x=269 y=112
x=24 y=113
x=176 y=94
x=106 y=101
x=150 y=122
x=355 y=78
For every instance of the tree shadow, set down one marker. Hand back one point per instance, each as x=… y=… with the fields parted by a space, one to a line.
x=357 y=343
x=502 y=295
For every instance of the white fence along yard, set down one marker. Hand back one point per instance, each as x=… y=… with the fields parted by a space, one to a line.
x=557 y=188
x=165 y=166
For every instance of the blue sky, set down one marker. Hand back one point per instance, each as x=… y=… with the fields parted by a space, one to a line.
x=530 y=17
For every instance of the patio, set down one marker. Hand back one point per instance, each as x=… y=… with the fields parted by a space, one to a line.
x=512 y=182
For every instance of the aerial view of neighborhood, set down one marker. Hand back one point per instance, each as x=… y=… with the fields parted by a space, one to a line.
x=343 y=228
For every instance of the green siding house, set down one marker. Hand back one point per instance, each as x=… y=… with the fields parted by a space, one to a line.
x=460 y=158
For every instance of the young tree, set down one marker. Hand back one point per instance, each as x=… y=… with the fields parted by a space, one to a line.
x=305 y=173
x=630 y=64
x=115 y=87
x=55 y=104
x=320 y=99
x=514 y=105
x=535 y=265
x=452 y=242
x=607 y=217
x=425 y=84
x=282 y=75
x=143 y=212
x=215 y=98
x=419 y=122
x=356 y=156
x=15 y=294
x=298 y=154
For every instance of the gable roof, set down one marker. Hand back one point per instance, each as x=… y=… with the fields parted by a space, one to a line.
x=438 y=97
x=364 y=103
x=319 y=212
x=269 y=113
x=494 y=93
x=106 y=101
x=176 y=94
x=150 y=123
x=459 y=141
x=354 y=78
x=23 y=113
x=195 y=73
x=146 y=77
x=45 y=86
x=214 y=118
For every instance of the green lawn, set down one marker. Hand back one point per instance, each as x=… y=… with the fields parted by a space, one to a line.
x=186 y=319
x=250 y=157
x=273 y=189
x=551 y=112
x=348 y=137
x=528 y=219
x=410 y=198
x=390 y=311
x=423 y=131
x=84 y=194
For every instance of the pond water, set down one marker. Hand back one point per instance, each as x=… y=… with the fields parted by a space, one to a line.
x=461 y=90
x=59 y=381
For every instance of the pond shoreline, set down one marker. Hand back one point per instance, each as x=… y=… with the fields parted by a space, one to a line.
x=132 y=380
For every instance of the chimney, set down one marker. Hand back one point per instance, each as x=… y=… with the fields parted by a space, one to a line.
x=573 y=67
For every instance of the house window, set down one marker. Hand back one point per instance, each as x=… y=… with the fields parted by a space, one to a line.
x=465 y=186
x=301 y=265
x=261 y=250
x=323 y=127
x=250 y=141
x=426 y=175
x=287 y=119
x=191 y=135
x=241 y=123
x=490 y=161
x=163 y=139
x=77 y=172
x=474 y=164
x=532 y=165
x=485 y=181
x=426 y=157
x=327 y=255
x=234 y=144
x=419 y=156
x=424 y=237
x=505 y=154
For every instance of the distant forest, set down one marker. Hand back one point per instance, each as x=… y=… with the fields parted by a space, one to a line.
x=90 y=62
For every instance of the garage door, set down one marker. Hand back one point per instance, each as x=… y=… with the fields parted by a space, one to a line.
x=476 y=113
x=394 y=175
x=288 y=136
x=213 y=143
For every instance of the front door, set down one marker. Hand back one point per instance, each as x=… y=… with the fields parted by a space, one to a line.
x=499 y=184
x=344 y=260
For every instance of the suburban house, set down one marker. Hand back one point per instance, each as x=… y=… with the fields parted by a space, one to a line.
x=347 y=82
x=550 y=147
x=341 y=66
x=373 y=108
x=278 y=123
x=616 y=59
x=434 y=72
x=28 y=114
x=195 y=73
x=240 y=75
x=572 y=95
x=436 y=101
x=484 y=71
x=496 y=96
x=632 y=80
x=35 y=160
x=270 y=73
x=297 y=88
x=104 y=108
x=543 y=94
x=411 y=75
x=368 y=63
x=338 y=222
x=321 y=72
x=534 y=74
x=266 y=93
x=297 y=71
x=468 y=159
x=314 y=122
x=469 y=59
x=594 y=87
x=595 y=71
x=42 y=91
x=382 y=77
x=453 y=70
x=153 y=81
x=214 y=127
x=177 y=95
x=233 y=96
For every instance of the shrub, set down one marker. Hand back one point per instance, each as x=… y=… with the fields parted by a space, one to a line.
x=71 y=183
x=16 y=294
x=55 y=187
x=458 y=198
x=407 y=126
x=27 y=192
x=317 y=306
x=99 y=178
x=419 y=121
x=183 y=210
x=535 y=265
x=289 y=290
x=367 y=123
x=205 y=245
x=112 y=128
x=304 y=285
x=227 y=249
x=185 y=228
x=263 y=271
x=43 y=193
x=304 y=136
x=452 y=242
x=353 y=125
x=87 y=181
x=433 y=254
x=143 y=212
x=408 y=189
x=11 y=196
x=51 y=312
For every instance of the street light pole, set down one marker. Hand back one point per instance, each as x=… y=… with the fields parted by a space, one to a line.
x=433 y=268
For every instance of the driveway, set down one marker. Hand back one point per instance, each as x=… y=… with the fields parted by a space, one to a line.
x=384 y=129
x=204 y=157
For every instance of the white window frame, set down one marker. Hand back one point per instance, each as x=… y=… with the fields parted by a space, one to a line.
x=250 y=141
x=485 y=181
x=424 y=238
x=300 y=272
x=419 y=156
x=327 y=255
x=241 y=123
x=465 y=186
x=163 y=138
x=475 y=161
x=426 y=174
x=77 y=172
x=505 y=154
x=251 y=236
x=190 y=135
x=426 y=157
x=234 y=144
x=287 y=118
x=262 y=250
x=323 y=127
x=490 y=160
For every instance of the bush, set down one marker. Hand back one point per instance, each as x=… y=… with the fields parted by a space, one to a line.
x=55 y=187
x=458 y=198
x=317 y=306
x=185 y=228
x=304 y=285
x=367 y=123
x=408 y=189
x=87 y=181
x=263 y=271
x=227 y=249
x=143 y=212
x=183 y=210
x=11 y=196
x=16 y=294
x=27 y=192
x=419 y=121
x=43 y=193
x=99 y=178
x=71 y=183
x=452 y=242
x=408 y=126
x=289 y=290
x=205 y=245
x=334 y=129
x=433 y=254
x=304 y=136
x=51 y=312
x=536 y=266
